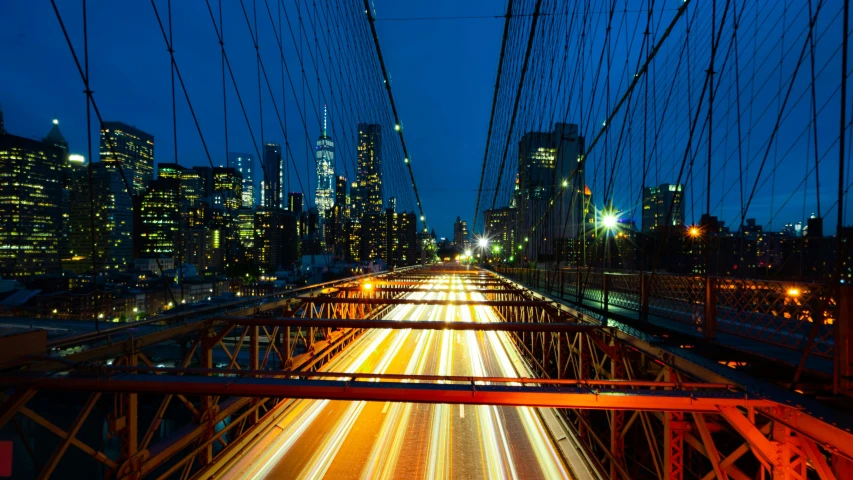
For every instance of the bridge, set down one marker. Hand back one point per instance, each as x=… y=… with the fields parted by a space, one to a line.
x=627 y=306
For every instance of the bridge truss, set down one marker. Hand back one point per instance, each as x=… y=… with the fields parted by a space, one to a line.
x=634 y=405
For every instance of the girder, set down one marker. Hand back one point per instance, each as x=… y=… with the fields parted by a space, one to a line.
x=623 y=393
x=468 y=393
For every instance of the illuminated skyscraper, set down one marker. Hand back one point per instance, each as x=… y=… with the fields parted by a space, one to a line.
x=658 y=203
x=273 y=178
x=227 y=188
x=30 y=197
x=245 y=164
x=341 y=197
x=369 y=174
x=550 y=163
x=325 y=159
x=158 y=219
x=113 y=221
x=131 y=148
x=294 y=202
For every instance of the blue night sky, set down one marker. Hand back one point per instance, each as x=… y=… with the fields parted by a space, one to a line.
x=443 y=74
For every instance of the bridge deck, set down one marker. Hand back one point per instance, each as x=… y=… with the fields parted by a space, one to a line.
x=338 y=439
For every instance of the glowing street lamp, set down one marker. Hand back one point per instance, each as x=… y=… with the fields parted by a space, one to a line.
x=609 y=221
x=483 y=242
x=694 y=231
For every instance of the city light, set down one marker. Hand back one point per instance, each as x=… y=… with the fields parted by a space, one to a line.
x=609 y=221
x=483 y=242
x=367 y=286
x=794 y=292
x=694 y=232
x=467 y=253
x=397 y=127
x=565 y=183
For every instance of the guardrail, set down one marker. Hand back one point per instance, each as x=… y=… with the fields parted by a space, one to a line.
x=768 y=311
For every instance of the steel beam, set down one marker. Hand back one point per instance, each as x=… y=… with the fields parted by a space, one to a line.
x=413 y=325
x=458 y=393
x=412 y=301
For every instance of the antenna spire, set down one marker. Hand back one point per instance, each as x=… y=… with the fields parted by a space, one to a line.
x=325 y=115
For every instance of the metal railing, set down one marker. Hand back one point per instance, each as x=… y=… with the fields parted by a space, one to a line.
x=768 y=311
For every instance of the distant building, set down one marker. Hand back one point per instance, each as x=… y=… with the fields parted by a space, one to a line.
x=373 y=237
x=551 y=169
x=295 y=202
x=660 y=203
x=401 y=235
x=245 y=164
x=273 y=181
x=245 y=219
x=130 y=148
x=30 y=206
x=192 y=184
x=113 y=222
x=369 y=174
x=460 y=232
x=341 y=197
x=158 y=219
x=324 y=154
x=227 y=188
x=276 y=241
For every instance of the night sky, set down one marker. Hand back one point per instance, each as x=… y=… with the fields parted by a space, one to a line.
x=442 y=71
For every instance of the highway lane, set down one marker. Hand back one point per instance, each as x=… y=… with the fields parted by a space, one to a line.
x=334 y=439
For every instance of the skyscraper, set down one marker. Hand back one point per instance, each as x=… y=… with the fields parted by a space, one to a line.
x=341 y=197
x=130 y=148
x=548 y=163
x=294 y=202
x=325 y=159
x=158 y=219
x=192 y=185
x=369 y=174
x=460 y=232
x=30 y=197
x=113 y=222
x=227 y=188
x=659 y=202
x=245 y=164
x=273 y=179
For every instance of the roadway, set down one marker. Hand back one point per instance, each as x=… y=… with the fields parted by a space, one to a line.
x=336 y=439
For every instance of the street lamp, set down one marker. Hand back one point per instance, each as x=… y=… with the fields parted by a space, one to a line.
x=694 y=232
x=483 y=242
x=609 y=221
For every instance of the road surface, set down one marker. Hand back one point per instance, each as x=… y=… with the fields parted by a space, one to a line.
x=337 y=439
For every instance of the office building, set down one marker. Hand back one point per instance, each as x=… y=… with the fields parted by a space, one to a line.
x=158 y=216
x=273 y=181
x=460 y=232
x=276 y=242
x=131 y=149
x=113 y=222
x=227 y=188
x=30 y=206
x=341 y=196
x=324 y=155
x=245 y=219
x=401 y=236
x=191 y=182
x=295 y=202
x=374 y=238
x=369 y=173
x=660 y=203
x=245 y=164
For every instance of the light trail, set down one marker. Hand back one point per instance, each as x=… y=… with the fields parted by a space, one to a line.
x=336 y=439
